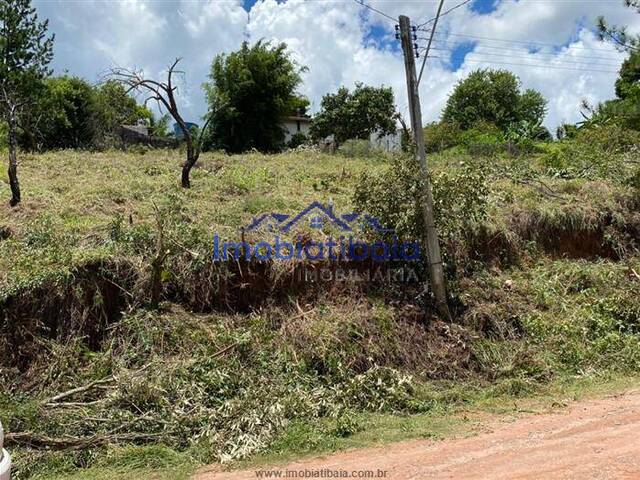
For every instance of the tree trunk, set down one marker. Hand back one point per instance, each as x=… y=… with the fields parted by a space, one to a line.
x=13 y=159
x=188 y=165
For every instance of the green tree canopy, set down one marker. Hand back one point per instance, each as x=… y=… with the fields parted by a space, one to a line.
x=493 y=96
x=250 y=92
x=71 y=113
x=25 y=53
x=115 y=107
x=628 y=83
x=356 y=114
x=619 y=35
x=625 y=109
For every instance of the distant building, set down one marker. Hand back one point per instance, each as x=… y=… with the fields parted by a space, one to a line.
x=177 y=131
x=295 y=124
x=388 y=143
x=140 y=135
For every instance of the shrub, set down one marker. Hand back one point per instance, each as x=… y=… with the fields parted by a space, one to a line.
x=357 y=148
x=594 y=152
x=297 y=139
x=441 y=136
x=460 y=198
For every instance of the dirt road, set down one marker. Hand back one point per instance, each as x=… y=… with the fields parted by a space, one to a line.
x=595 y=439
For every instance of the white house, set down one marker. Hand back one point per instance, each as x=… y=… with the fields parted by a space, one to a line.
x=295 y=124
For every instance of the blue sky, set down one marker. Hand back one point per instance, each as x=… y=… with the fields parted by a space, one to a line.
x=550 y=45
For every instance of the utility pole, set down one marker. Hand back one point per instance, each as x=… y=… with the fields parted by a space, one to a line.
x=432 y=244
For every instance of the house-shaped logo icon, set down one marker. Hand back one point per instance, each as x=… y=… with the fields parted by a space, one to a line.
x=316 y=216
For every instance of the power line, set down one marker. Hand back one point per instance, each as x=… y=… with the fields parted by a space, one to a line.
x=590 y=70
x=433 y=31
x=500 y=48
x=445 y=13
x=522 y=42
x=556 y=61
x=379 y=12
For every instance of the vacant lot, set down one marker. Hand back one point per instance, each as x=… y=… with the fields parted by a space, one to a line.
x=241 y=360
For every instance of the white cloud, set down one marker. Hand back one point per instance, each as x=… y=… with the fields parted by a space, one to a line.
x=334 y=40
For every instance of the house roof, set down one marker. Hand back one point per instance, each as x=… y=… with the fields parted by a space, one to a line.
x=297 y=118
x=139 y=129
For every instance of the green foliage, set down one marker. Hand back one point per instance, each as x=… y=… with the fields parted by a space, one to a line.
x=625 y=110
x=297 y=139
x=439 y=136
x=250 y=92
x=64 y=116
x=358 y=148
x=604 y=151
x=355 y=115
x=460 y=198
x=481 y=133
x=196 y=381
x=71 y=113
x=493 y=96
x=525 y=131
x=25 y=51
x=628 y=83
x=115 y=107
x=619 y=35
x=160 y=127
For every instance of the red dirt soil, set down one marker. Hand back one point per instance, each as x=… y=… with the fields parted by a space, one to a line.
x=595 y=439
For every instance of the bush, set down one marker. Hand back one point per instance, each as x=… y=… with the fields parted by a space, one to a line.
x=357 y=148
x=439 y=136
x=460 y=198
x=594 y=152
x=483 y=138
x=297 y=139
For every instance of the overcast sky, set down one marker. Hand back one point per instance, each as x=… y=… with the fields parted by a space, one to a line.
x=342 y=43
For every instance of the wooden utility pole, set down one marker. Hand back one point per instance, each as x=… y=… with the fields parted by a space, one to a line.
x=431 y=242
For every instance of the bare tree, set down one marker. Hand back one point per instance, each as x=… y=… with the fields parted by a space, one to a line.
x=164 y=93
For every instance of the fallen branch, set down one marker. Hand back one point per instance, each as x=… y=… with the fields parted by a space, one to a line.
x=34 y=440
x=94 y=384
x=74 y=404
x=84 y=388
x=225 y=350
x=635 y=274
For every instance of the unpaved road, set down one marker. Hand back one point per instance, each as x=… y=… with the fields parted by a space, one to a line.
x=595 y=439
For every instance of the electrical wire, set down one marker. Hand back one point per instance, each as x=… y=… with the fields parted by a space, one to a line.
x=551 y=61
x=522 y=42
x=433 y=31
x=445 y=13
x=500 y=48
x=531 y=65
x=379 y=12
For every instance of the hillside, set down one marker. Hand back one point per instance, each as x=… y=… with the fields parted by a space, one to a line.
x=242 y=357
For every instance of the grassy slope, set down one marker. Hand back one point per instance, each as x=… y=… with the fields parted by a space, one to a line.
x=525 y=328
x=77 y=196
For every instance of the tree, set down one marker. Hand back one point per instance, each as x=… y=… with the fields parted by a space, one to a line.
x=628 y=83
x=164 y=93
x=617 y=34
x=115 y=107
x=63 y=117
x=71 y=113
x=356 y=114
x=493 y=96
x=625 y=109
x=250 y=92
x=25 y=54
